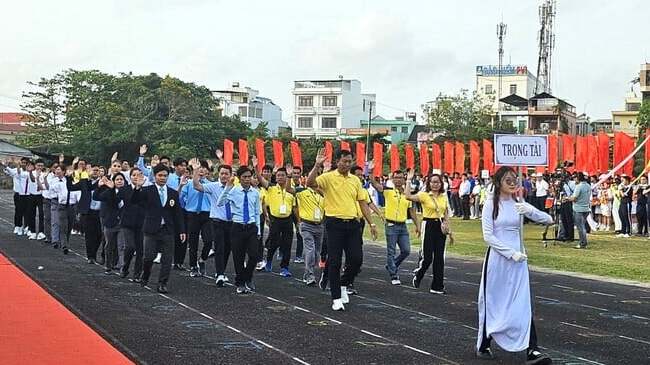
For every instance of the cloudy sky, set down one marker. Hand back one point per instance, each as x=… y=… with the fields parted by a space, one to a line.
x=405 y=52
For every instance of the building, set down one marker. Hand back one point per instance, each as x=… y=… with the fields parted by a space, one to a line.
x=515 y=80
x=548 y=113
x=324 y=108
x=644 y=81
x=602 y=125
x=625 y=120
x=246 y=103
x=396 y=130
x=13 y=125
x=514 y=110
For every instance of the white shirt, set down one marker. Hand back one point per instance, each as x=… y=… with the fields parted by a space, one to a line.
x=60 y=189
x=465 y=188
x=51 y=180
x=541 y=188
x=13 y=172
x=34 y=190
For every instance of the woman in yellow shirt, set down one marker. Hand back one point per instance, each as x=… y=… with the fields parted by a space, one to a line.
x=435 y=221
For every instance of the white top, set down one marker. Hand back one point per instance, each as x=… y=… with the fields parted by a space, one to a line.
x=13 y=172
x=541 y=188
x=59 y=189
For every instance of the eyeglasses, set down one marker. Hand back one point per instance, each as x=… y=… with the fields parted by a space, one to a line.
x=509 y=181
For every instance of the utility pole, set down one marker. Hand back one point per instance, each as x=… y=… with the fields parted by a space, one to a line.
x=501 y=32
x=368 y=132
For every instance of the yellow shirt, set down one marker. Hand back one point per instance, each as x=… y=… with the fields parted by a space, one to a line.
x=263 y=193
x=78 y=175
x=431 y=209
x=340 y=193
x=310 y=205
x=396 y=206
x=279 y=201
x=366 y=199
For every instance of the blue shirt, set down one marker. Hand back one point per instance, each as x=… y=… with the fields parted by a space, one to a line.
x=194 y=201
x=214 y=190
x=173 y=181
x=582 y=194
x=146 y=171
x=235 y=196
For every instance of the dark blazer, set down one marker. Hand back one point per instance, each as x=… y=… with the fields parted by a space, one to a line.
x=154 y=212
x=86 y=187
x=132 y=214
x=110 y=210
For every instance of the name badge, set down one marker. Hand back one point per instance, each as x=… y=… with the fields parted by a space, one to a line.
x=317 y=214
x=283 y=209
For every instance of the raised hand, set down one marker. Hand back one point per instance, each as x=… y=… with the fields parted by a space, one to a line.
x=61 y=158
x=289 y=169
x=109 y=183
x=155 y=160
x=231 y=182
x=195 y=164
x=75 y=160
x=254 y=161
x=327 y=165
x=219 y=154
x=320 y=156
x=143 y=149
x=371 y=164
x=114 y=157
x=410 y=175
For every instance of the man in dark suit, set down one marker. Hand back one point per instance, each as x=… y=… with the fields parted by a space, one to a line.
x=131 y=220
x=89 y=209
x=163 y=220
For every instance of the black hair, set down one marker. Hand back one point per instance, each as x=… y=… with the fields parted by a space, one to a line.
x=40 y=160
x=267 y=168
x=242 y=170
x=397 y=172
x=428 y=183
x=281 y=169
x=179 y=161
x=204 y=164
x=30 y=162
x=343 y=153
x=134 y=169
x=297 y=168
x=127 y=161
x=26 y=159
x=51 y=165
x=163 y=157
x=227 y=167
x=158 y=168
x=118 y=174
x=496 y=182
x=355 y=168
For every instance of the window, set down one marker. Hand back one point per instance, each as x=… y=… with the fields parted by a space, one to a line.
x=329 y=100
x=488 y=89
x=405 y=129
x=328 y=122
x=243 y=111
x=305 y=101
x=256 y=113
x=305 y=122
x=513 y=89
x=393 y=129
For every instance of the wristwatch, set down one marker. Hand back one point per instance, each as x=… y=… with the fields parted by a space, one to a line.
x=373 y=225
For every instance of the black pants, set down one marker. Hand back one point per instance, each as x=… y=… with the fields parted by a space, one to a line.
x=93 y=235
x=642 y=218
x=342 y=236
x=456 y=205
x=133 y=240
x=34 y=204
x=624 y=213
x=566 y=215
x=465 y=206
x=346 y=268
x=281 y=236
x=180 y=247
x=244 y=242
x=162 y=241
x=433 y=250
x=298 y=237
x=199 y=223
x=21 y=203
x=222 y=243
x=541 y=203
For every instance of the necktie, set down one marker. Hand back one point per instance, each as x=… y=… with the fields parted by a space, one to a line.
x=199 y=204
x=228 y=211
x=161 y=191
x=246 y=213
x=26 y=184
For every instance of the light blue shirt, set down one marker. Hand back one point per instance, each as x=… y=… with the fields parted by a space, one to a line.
x=173 y=181
x=146 y=171
x=193 y=200
x=582 y=194
x=213 y=190
x=569 y=188
x=94 y=204
x=236 y=198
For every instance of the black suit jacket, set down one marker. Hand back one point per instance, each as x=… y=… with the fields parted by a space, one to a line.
x=86 y=187
x=132 y=214
x=154 y=212
x=110 y=210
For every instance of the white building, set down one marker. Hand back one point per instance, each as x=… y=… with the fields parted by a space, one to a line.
x=246 y=103
x=322 y=108
x=515 y=80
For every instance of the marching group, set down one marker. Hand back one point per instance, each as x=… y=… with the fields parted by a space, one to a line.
x=158 y=213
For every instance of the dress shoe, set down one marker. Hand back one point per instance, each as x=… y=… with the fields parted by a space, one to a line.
x=144 y=282
x=162 y=288
x=65 y=250
x=124 y=274
x=91 y=261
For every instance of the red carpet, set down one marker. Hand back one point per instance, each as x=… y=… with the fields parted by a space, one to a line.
x=36 y=329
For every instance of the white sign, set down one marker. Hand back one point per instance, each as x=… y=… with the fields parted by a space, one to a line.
x=520 y=150
x=485 y=174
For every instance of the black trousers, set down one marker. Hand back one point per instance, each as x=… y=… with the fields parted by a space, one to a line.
x=342 y=236
x=180 y=247
x=566 y=215
x=93 y=235
x=464 y=202
x=642 y=218
x=298 y=237
x=433 y=251
x=222 y=243
x=244 y=242
x=346 y=267
x=163 y=242
x=33 y=205
x=21 y=203
x=624 y=213
x=199 y=224
x=281 y=236
x=133 y=239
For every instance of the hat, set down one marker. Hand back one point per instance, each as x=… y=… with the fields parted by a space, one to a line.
x=539 y=174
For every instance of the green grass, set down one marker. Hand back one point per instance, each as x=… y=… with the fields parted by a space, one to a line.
x=607 y=255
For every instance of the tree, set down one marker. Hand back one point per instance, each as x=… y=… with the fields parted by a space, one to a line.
x=46 y=107
x=643 y=120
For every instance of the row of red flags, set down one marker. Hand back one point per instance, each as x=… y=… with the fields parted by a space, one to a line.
x=589 y=153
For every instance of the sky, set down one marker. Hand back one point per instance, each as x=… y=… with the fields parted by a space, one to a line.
x=406 y=52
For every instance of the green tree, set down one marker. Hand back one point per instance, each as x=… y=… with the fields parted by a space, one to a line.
x=643 y=120
x=46 y=106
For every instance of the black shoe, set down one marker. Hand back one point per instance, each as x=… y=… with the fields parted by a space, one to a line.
x=101 y=261
x=124 y=274
x=194 y=272
x=91 y=261
x=108 y=271
x=322 y=284
x=137 y=280
x=55 y=246
x=537 y=358
x=144 y=282
x=351 y=290
x=65 y=250
x=416 y=282
x=241 y=289
x=202 y=267
x=485 y=354
x=162 y=288
x=179 y=267
x=250 y=286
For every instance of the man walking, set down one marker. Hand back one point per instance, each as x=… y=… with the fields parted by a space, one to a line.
x=581 y=200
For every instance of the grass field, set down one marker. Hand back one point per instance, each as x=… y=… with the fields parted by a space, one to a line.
x=606 y=255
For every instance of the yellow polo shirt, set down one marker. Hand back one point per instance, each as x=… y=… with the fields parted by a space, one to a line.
x=310 y=205
x=341 y=194
x=365 y=199
x=396 y=205
x=276 y=198
x=263 y=193
x=431 y=209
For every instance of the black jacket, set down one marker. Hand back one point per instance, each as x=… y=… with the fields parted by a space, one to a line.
x=132 y=214
x=154 y=212
x=110 y=210
x=86 y=187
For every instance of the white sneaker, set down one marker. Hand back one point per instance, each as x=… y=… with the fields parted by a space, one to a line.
x=396 y=281
x=260 y=266
x=337 y=305
x=221 y=280
x=157 y=259
x=32 y=236
x=211 y=253
x=17 y=229
x=225 y=278
x=21 y=231
x=344 y=295
x=620 y=235
x=40 y=236
x=626 y=236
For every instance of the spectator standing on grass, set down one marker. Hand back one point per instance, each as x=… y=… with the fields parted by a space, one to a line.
x=581 y=200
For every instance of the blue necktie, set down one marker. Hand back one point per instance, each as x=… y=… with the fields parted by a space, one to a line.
x=228 y=211
x=199 y=204
x=246 y=214
x=161 y=191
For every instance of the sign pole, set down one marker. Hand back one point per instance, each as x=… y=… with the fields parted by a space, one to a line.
x=522 y=249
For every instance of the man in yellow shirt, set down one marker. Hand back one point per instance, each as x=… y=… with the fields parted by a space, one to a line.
x=341 y=191
x=396 y=213
x=279 y=204
x=309 y=215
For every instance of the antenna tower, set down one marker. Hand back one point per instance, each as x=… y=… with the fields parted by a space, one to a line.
x=546 y=44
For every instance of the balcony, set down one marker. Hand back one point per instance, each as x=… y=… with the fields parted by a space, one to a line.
x=329 y=110
x=305 y=110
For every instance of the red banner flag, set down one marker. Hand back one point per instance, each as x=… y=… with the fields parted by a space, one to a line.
x=345 y=146
x=259 y=152
x=361 y=154
x=603 y=152
x=592 y=152
x=488 y=156
x=568 y=150
x=228 y=148
x=436 y=161
x=296 y=154
x=552 y=152
x=278 y=153
x=647 y=148
x=243 y=152
x=328 y=151
x=410 y=156
x=459 y=154
x=424 y=159
x=394 y=158
x=378 y=157
x=449 y=157
x=582 y=159
x=623 y=146
x=474 y=157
